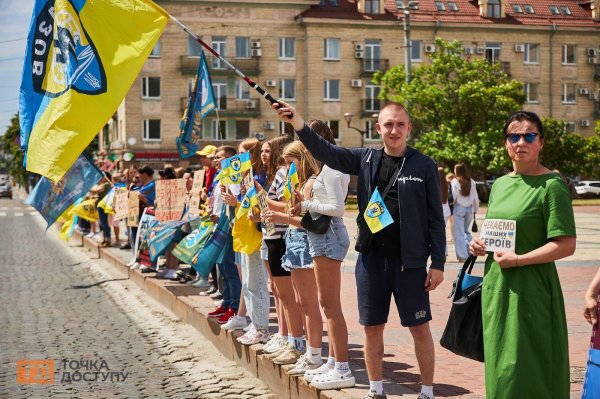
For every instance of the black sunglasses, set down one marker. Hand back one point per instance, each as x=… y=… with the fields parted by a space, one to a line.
x=515 y=137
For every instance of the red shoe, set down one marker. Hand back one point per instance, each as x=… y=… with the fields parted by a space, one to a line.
x=226 y=316
x=218 y=312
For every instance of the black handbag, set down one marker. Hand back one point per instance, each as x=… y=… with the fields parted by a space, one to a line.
x=463 y=334
x=318 y=225
x=474 y=228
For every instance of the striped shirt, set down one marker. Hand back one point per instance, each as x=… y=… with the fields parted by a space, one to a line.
x=276 y=193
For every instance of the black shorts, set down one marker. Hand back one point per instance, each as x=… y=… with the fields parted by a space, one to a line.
x=378 y=278
x=276 y=250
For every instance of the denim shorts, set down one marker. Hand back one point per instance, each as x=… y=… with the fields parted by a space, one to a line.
x=333 y=244
x=297 y=255
x=264 y=251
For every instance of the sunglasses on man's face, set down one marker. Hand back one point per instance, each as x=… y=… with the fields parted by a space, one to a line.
x=515 y=137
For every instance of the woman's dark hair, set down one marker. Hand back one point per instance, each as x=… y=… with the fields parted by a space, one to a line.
x=321 y=129
x=169 y=173
x=146 y=170
x=464 y=178
x=521 y=116
x=276 y=144
x=443 y=184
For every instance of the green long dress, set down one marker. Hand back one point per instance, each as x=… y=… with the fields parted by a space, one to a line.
x=524 y=322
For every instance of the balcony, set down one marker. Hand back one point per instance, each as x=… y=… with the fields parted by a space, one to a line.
x=249 y=66
x=597 y=72
x=371 y=65
x=369 y=106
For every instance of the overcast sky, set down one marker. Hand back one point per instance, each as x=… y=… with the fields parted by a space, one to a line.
x=15 y=16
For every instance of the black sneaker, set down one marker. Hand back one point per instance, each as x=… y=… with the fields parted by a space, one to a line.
x=373 y=395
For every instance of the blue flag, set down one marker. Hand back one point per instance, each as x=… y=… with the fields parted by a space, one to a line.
x=200 y=103
x=377 y=215
x=52 y=199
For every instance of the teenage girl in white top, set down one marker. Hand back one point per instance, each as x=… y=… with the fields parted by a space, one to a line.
x=466 y=204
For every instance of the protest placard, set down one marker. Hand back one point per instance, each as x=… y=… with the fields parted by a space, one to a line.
x=264 y=207
x=499 y=235
x=121 y=204
x=133 y=213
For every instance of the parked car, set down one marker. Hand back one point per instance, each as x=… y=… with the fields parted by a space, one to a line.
x=483 y=189
x=588 y=188
x=5 y=188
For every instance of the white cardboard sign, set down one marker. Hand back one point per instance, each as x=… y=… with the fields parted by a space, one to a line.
x=499 y=235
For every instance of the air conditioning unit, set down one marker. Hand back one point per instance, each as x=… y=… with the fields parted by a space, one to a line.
x=519 y=48
x=271 y=83
x=591 y=60
x=251 y=104
x=256 y=52
x=356 y=83
x=480 y=50
x=593 y=96
x=430 y=48
x=591 y=52
x=469 y=50
x=359 y=47
x=585 y=123
x=584 y=91
x=269 y=125
x=359 y=54
x=260 y=136
x=255 y=44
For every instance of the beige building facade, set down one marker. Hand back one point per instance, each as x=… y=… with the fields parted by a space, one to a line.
x=321 y=55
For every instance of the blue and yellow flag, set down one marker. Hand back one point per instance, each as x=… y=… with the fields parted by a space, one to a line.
x=200 y=103
x=250 y=200
x=82 y=57
x=236 y=164
x=52 y=199
x=292 y=181
x=107 y=202
x=377 y=215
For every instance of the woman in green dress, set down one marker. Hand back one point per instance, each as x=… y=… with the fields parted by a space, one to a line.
x=524 y=323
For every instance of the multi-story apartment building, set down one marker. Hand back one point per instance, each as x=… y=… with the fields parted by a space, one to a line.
x=321 y=56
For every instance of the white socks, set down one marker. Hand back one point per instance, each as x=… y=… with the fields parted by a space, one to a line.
x=331 y=361
x=298 y=343
x=376 y=386
x=341 y=367
x=427 y=390
x=315 y=355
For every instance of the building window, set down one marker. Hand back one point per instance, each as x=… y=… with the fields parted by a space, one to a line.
x=331 y=90
x=287 y=48
x=529 y=9
x=150 y=88
x=242 y=47
x=372 y=101
x=335 y=128
x=569 y=93
x=219 y=44
x=151 y=129
x=287 y=89
x=400 y=4
x=331 y=49
x=415 y=50
x=568 y=54
x=440 y=6
x=517 y=9
x=570 y=126
x=242 y=129
x=370 y=131
x=493 y=9
x=492 y=52
x=286 y=128
x=554 y=10
x=155 y=53
x=532 y=92
x=218 y=129
x=452 y=6
x=194 y=48
x=242 y=90
x=532 y=53
x=372 y=55
x=190 y=87
x=220 y=92
x=371 y=6
x=566 y=10
x=330 y=3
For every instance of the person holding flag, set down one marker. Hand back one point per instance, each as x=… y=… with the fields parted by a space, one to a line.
x=400 y=182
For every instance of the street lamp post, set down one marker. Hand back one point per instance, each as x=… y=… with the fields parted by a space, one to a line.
x=412 y=5
x=348 y=117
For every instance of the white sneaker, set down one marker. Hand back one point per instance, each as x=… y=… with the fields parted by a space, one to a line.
x=254 y=337
x=249 y=327
x=333 y=380
x=274 y=344
x=135 y=265
x=303 y=365
x=235 y=323
x=90 y=235
x=323 y=369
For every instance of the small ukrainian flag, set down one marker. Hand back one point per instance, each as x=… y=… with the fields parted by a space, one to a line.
x=292 y=181
x=377 y=215
x=236 y=164
x=250 y=200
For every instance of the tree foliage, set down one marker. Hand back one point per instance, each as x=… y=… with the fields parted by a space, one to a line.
x=10 y=145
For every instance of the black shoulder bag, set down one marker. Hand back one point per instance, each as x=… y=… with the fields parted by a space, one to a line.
x=463 y=334
x=318 y=225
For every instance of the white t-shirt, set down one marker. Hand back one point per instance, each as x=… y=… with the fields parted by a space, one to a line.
x=466 y=201
x=329 y=193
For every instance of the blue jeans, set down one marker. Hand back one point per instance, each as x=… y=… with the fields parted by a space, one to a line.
x=232 y=286
x=103 y=218
x=254 y=288
x=461 y=231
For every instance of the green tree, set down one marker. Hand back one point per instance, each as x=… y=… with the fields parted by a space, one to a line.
x=458 y=106
x=10 y=145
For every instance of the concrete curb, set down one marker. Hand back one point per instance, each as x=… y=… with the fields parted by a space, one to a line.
x=191 y=308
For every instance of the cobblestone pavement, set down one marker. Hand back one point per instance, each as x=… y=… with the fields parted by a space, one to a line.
x=56 y=303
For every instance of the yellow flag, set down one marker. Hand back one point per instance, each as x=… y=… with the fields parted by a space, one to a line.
x=87 y=210
x=81 y=60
